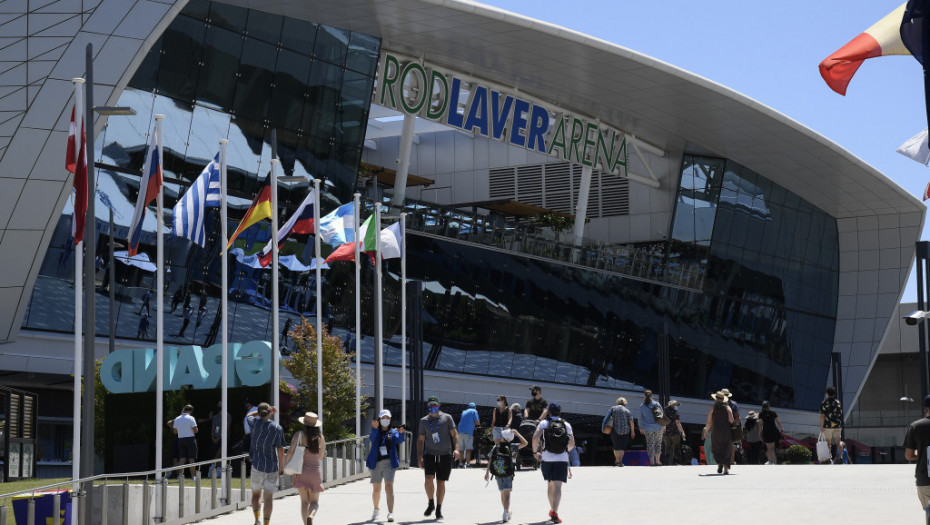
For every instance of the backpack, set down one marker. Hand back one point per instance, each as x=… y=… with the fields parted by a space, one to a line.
x=501 y=464
x=555 y=436
x=659 y=416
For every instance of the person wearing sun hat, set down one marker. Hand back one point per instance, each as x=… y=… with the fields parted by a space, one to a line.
x=309 y=483
x=500 y=465
x=437 y=450
x=674 y=434
x=736 y=429
x=753 y=432
x=382 y=460
x=719 y=419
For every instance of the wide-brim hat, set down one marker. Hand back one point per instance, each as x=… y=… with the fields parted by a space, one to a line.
x=720 y=396
x=726 y=392
x=310 y=419
x=674 y=403
x=751 y=415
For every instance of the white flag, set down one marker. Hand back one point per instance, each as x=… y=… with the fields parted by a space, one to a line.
x=916 y=148
x=390 y=241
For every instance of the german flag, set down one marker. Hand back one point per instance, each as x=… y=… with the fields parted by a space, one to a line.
x=260 y=209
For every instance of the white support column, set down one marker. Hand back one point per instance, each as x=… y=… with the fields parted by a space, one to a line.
x=581 y=208
x=406 y=145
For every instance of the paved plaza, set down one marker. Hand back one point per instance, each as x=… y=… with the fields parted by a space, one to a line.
x=760 y=495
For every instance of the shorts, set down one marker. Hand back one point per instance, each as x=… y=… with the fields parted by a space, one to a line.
x=176 y=448
x=832 y=434
x=383 y=471
x=439 y=466
x=267 y=481
x=466 y=442
x=555 y=471
x=620 y=441
x=505 y=483
x=187 y=448
x=497 y=433
x=923 y=494
x=771 y=437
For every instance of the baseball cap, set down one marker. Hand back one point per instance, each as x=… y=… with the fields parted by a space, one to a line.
x=535 y=387
x=507 y=434
x=555 y=409
x=471 y=405
x=384 y=413
x=433 y=399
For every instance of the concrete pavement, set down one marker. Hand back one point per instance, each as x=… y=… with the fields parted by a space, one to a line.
x=761 y=495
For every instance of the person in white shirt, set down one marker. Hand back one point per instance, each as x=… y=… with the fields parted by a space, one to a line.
x=185 y=426
x=552 y=442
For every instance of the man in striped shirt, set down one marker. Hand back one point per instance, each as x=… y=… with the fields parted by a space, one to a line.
x=267 y=455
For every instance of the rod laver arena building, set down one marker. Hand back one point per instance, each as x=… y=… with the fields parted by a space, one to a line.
x=581 y=216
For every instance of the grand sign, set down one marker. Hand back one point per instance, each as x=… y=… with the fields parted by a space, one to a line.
x=133 y=370
x=429 y=92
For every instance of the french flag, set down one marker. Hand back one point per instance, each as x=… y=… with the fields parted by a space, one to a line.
x=300 y=222
x=882 y=39
x=149 y=187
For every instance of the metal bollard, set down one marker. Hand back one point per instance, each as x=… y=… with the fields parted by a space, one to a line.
x=197 y=478
x=181 y=497
x=56 y=509
x=145 y=504
x=31 y=513
x=227 y=484
x=242 y=470
x=3 y=515
x=344 y=451
x=126 y=502
x=164 y=500
x=213 y=497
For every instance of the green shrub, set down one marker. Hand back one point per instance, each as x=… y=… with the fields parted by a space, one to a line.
x=798 y=455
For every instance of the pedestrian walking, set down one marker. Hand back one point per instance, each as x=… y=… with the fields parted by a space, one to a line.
x=501 y=419
x=267 y=454
x=468 y=421
x=437 y=449
x=536 y=405
x=916 y=443
x=649 y=426
x=674 y=434
x=831 y=420
x=309 y=483
x=501 y=466
x=719 y=419
x=383 y=462
x=185 y=427
x=143 y=330
x=623 y=429
x=552 y=440
x=146 y=299
x=188 y=313
x=752 y=430
x=736 y=426
x=772 y=431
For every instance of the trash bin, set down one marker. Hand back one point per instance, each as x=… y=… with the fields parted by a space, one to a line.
x=45 y=503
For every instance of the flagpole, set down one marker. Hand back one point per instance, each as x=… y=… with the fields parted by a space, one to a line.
x=224 y=340
x=379 y=334
x=160 y=312
x=78 y=312
x=358 y=319
x=275 y=314
x=403 y=316
x=319 y=299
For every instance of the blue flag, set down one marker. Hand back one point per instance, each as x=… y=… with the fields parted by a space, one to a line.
x=190 y=210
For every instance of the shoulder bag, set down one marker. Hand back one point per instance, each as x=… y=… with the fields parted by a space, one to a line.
x=295 y=465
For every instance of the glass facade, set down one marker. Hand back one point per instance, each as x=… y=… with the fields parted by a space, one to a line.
x=221 y=71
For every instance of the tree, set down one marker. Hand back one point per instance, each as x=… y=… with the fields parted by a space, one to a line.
x=338 y=378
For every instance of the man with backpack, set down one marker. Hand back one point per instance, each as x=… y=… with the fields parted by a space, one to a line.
x=500 y=465
x=552 y=441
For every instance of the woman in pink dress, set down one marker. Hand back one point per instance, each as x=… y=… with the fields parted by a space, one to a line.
x=309 y=483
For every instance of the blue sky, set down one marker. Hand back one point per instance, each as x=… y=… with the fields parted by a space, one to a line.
x=770 y=52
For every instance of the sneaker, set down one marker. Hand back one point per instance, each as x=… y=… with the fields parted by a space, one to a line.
x=258 y=521
x=554 y=518
x=374 y=514
x=390 y=516
x=429 y=509
x=508 y=515
x=768 y=462
x=504 y=517
x=438 y=514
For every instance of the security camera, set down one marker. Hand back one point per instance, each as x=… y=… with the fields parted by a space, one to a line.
x=914 y=317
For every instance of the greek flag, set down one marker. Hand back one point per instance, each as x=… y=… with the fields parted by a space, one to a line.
x=338 y=226
x=190 y=210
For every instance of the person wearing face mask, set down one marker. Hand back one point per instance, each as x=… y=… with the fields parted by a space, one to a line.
x=467 y=424
x=437 y=449
x=501 y=419
x=382 y=460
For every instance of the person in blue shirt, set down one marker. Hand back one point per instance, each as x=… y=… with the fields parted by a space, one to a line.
x=649 y=428
x=266 y=451
x=467 y=424
x=382 y=460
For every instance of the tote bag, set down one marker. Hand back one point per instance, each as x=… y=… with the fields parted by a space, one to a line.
x=823 y=449
x=295 y=465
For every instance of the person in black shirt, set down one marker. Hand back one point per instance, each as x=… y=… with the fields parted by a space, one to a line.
x=916 y=442
x=536 y=407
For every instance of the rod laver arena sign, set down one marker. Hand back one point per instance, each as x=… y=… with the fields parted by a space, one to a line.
x=133 y=370
x=431 y=93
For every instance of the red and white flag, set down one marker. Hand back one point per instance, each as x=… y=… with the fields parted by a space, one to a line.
x=882 y=39
x=76 y=162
